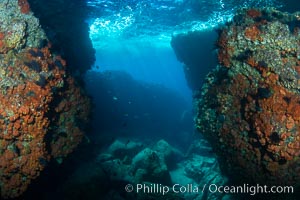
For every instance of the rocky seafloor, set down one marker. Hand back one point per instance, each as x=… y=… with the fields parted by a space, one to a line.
x=147 y=162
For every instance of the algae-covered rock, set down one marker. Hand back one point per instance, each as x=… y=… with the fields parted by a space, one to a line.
x=192 y=49
x=66 y=26
x=17 y=29
x=154 y=164
x=121 y=150
x=41 y=105
x=249 y=107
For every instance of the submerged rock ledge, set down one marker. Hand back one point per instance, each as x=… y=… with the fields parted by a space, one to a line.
x=249 y=106
x=42 y=111
x=64 y=22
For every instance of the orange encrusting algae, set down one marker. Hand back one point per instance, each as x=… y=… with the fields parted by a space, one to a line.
x=24 y=6
x=26 y=116
x=249 y=108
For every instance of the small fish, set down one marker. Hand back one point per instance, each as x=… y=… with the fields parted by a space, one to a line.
x=115 y=98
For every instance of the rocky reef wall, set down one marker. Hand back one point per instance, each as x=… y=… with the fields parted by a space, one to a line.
x=42 y=111
x=249 y=106
x=192 y=49
x=64 y=22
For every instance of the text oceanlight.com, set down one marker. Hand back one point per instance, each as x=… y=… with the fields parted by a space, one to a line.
x=212 y=188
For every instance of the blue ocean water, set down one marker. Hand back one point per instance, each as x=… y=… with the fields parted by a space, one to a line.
x=134 y=36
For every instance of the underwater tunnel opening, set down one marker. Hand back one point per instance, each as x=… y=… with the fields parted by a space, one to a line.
x=140 y=91
x=145 y=61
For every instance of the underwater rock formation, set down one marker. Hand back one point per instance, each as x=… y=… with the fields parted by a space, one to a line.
x=192 y=49
x=42 y=111
x=249 y=106
x=64 y=22
x=128 y=161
